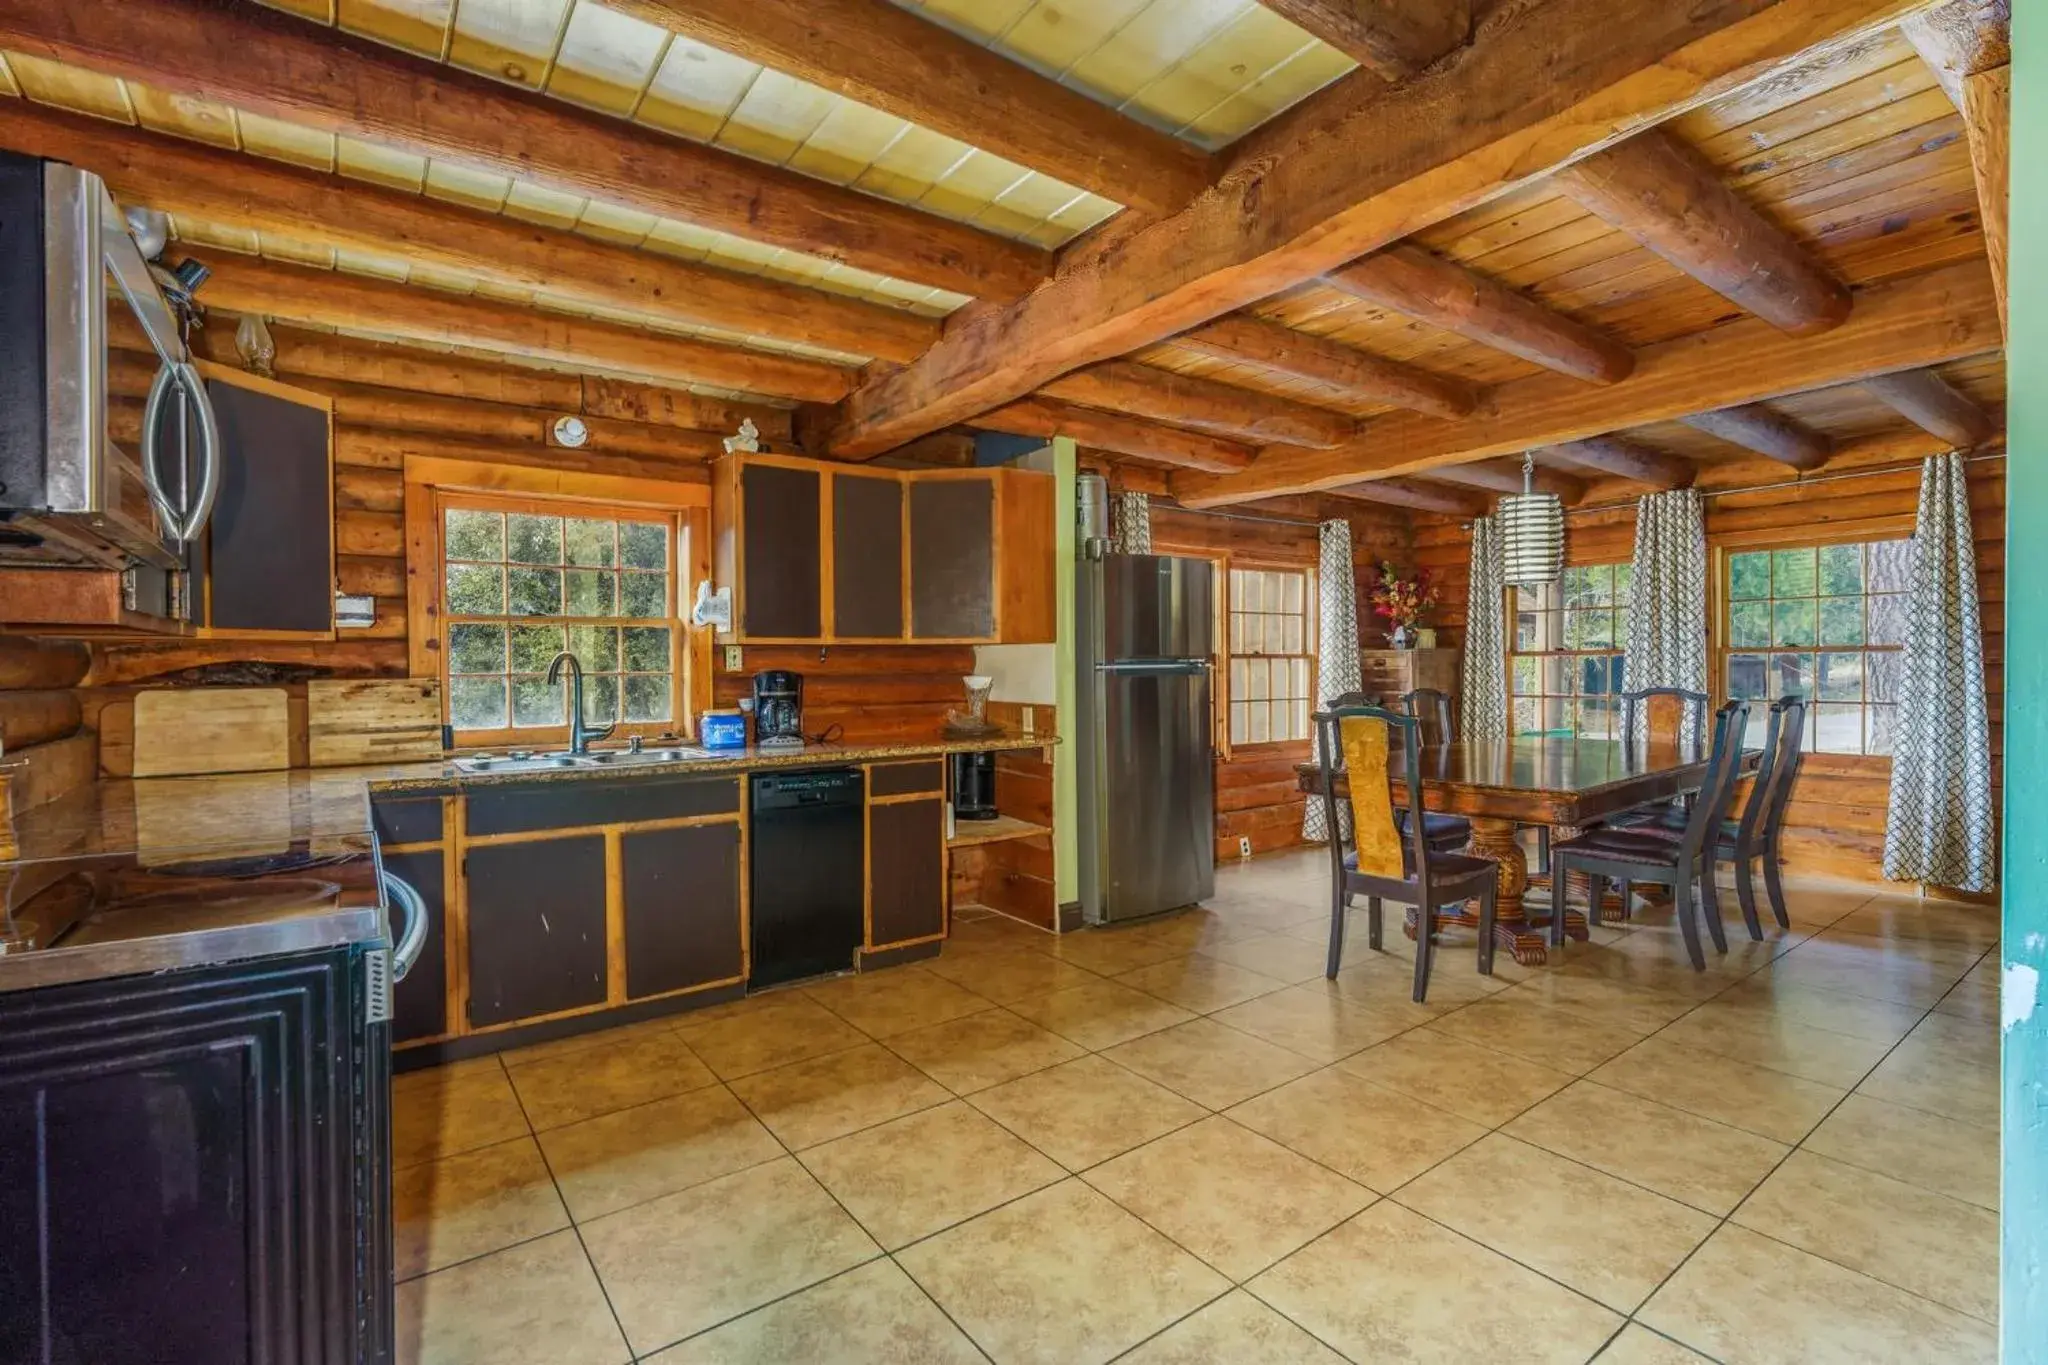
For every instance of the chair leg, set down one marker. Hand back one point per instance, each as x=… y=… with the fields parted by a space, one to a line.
x=1681 y=905
x=1596 y=891
x=1775 y=888
x=1745 y=896
x=1710 y=906
x=1487 y=896
x=1372 y=923
x=1558 y=877
x=1425 y=922
x=1338 y=901
x=1543 y=848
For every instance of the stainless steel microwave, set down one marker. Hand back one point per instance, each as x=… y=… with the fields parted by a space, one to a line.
x=73 y=285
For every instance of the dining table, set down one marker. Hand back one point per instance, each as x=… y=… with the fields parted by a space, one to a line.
x=1564 y=784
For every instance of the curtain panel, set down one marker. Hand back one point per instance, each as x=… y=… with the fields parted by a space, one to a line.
x=1667 y=604
x=1940 y=825
x=1130 y=524
x=1484 y=680
x=1336 y=648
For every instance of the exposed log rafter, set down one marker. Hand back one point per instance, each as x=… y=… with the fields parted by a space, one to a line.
x=1182 y=400
x=1356 y=374
x=1124 y=435
x=1968 y=45
x=1934 y=405
x=1771 y=434
x=1627 y=459
x=1395 y=38
x=1505 y=476
x=1418 y=494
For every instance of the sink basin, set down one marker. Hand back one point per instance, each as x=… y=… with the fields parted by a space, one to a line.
x=601 y=758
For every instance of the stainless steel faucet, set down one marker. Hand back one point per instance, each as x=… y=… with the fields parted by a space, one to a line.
x=580 y=734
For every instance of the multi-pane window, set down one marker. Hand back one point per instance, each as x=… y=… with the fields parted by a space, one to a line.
x=1566 y=658
x=521 y=586
x=1828 y=623
x=1271 y=663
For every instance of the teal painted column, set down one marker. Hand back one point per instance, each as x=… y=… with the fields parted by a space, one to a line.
x=2024 y=946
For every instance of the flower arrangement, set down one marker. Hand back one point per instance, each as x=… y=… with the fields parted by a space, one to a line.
x=1402 y=600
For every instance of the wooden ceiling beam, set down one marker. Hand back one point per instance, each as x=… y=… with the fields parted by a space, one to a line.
x=232 y=190
x=1934 y=405
x=1418 y=494
x=1661 y=192
x=1417 y=284
x=1929 y=319
x=900 y=62
x=1505 y=476
x=1538 y=87
x=1627 y=459
x=1185 y=401
x=1394 y=38
x=1111 y=431
x=286 y=68
x=1771 y=434
x=1356 y=374
x=1968 y=45
x=246 y=284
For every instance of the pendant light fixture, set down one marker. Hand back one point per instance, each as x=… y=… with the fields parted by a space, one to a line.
x=1531 y=532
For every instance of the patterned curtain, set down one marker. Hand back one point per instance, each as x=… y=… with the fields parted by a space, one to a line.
x=1484 y=687
x=1130 y=524
x=1667 y=603
x=1939 y=827
x=1336 y=646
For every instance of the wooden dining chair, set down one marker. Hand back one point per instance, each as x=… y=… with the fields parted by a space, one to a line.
x=1644 y=855
x=1666 y=711
x=1385 y=864
x=1436 y=728
x=1446 y=833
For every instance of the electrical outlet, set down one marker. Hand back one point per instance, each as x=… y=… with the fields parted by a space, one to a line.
x=734 y=660
x=1244 y=845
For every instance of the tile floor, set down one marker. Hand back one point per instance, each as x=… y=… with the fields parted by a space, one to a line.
x=1177 y=1143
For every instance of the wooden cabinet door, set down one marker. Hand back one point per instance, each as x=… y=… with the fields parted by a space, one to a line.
x=270 y=543
x=867 y=556
x=952 y=558
x=781 y=552
x=536 y=928
x=906 y=871
x=682 y=907
x=419 y=1004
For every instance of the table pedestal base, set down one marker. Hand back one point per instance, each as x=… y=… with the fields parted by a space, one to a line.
x=1514 y=929
x=1579 y=887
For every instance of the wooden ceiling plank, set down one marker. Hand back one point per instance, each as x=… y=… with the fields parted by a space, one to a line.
x=1946 y=314
x=233 y=190
x=283 y=67
x=1418 y=494
x=1394 y=38
x=1416 y=284
x=1755 y=427
x=1356 y=374
x=1124 y=435
x=893 y=59
x=1627 y=459
x=1186 y=401
x=1505 y=476
x=1540 y=86
x=1662 y=193
x=1931 y=403
x=245 y=284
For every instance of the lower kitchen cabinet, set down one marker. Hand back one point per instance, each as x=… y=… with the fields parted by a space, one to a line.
x=682 y=907
x=536 y=928
x=906 y=870
x=419 y=1004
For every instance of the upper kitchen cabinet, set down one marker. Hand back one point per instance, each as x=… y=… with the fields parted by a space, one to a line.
x=825 y=553
x=269 y=546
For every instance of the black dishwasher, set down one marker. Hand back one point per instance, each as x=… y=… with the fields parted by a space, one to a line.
x=809 y=881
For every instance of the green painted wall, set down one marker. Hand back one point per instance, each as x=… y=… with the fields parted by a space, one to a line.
x=1066 y=847
x=2024 y=1275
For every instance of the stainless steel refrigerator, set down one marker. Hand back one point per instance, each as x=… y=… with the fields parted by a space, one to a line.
x=1145 y=738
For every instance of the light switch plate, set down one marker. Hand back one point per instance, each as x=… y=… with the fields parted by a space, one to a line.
x=734 y=661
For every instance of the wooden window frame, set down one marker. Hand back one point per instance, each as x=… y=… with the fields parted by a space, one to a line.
x=1510 y=635
x=1311 y=623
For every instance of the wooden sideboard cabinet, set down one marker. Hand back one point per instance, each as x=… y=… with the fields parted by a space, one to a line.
x=1390 y=673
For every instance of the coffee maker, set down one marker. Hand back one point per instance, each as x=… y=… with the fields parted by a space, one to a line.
x=779 y=709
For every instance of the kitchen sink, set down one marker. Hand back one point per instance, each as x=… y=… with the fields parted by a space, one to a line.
x=522 y=762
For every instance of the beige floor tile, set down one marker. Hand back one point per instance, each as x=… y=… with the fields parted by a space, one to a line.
x=602 y=1080
x=1234 y=1330
x=828 y=1097
x=1638 y=1345
x=1370 y=979
x=1633 y=1008
x=1559 y=1038
x=1856 y=971
x=1009 y=974
x=446 y=1111
x=1279 y=956
x=1750 y=1298
x=871 y=1315
x=992 y=932
x=1060 y=1277
x=982 y=1050
x=463 y=1206
x=786 y=1027
x=690 y=1260
x=1237 y=1200
x=1925 y=1243
x=533 y=1304
x=1609 y=1240
x=1973 y=1000
x=1693 y=1160
x=915 y=1175
x=1376 y=1137
x=580 y=1042
x=1101 y=1014
x=617 y=1160
x=1085 y=1111
x=1308 y=1019
x=1969 y=1041
x=1477 y=1083
x=1768 y=1103
x=1390 y=1285
x=1923 y=1149
x=1928 y=1077
x=1114 y=951
x=1200 y=983
x=1212 y=1065
x=1942 y=957
x=1881 y=1021
x=1955 y=923
x=1797 y=1049
x=884 y=1003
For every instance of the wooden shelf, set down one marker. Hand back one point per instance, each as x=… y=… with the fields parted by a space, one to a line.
x=967 y=833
